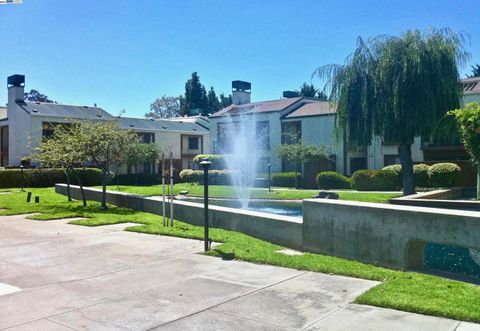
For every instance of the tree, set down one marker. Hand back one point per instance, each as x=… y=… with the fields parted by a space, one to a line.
x=468 y=119
x=164 y=107
x=225 y=101
x=64 y=149
x=475 y=71
x=195 y=96
x=212 y=101
x=105 y=144
x=36 y=96
x=322 y=96
x=396 y=88
x=308 y=91
x=139 y=153
x=298 y=153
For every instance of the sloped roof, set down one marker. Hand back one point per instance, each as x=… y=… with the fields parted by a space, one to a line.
x=470 y=85
x=313 y=109
x=159 y=125
x=256 y=107
x=65 y=111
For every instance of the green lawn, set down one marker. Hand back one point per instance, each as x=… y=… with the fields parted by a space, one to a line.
x=406 y=291
x=221 y=191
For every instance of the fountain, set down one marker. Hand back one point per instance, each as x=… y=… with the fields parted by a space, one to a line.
x=241 y=149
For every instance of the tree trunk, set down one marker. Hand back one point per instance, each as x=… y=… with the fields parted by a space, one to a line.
x=68 y=185
x=136 y=175
x=82 y=192
x=405 y=154
x=104 y=190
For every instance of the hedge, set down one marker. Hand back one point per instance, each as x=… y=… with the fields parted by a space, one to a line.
x=45 y=177
x=139 y=179
x=420 y=174
x=215 y=177
x=285 y=179
x=375 y=180
x=218 y=161
x=333 y=180
x=444 y=174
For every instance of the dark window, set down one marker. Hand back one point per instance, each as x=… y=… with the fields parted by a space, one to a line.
x=358 y=163
x=193 y=143
x=390 y=159
x=146 y=138
x=263 y=134
x=291 y=132
x=49 y=127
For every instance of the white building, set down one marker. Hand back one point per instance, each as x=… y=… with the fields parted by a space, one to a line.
x=23 y=124
x=313 y=121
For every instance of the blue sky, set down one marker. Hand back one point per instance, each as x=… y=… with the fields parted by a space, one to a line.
x=122 y=54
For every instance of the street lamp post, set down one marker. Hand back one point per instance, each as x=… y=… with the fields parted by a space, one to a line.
x=21 y=176
x=269 y=180
x=205 y=165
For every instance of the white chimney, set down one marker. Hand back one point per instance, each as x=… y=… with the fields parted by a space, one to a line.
x=241 y=92
x=16 y=88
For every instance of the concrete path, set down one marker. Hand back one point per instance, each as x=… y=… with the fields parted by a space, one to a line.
x=56 y=276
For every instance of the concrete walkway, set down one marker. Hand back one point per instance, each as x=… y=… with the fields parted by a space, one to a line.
x=55 y=276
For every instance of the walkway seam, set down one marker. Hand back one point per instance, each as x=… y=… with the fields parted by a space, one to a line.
x=229 y=300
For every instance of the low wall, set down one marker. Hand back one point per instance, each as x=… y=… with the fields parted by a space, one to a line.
x=440 y=199
x=281 y=230
x=380 y=234
x=383 y=234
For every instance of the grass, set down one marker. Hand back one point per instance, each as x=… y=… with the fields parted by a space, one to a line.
x=221 y=191
x=407 y=291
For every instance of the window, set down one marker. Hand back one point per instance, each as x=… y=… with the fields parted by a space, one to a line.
x=263 y=134
x=390 y=159
x=357 y=163
x=193 y=143
x=291 y=132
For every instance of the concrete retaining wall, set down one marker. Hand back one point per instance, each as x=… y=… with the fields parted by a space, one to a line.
x=380 y=234
x=281 y=230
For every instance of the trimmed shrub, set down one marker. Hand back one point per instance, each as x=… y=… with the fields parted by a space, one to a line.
x=46 y=177
x=420 y=173
x=285 y=179
x=215 y=177
x=139 y=179
x=333 y=180
x=218 y=161
x=375 y=180
x=444 y=174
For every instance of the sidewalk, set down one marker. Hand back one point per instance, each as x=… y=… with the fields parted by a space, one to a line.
x=56 y=276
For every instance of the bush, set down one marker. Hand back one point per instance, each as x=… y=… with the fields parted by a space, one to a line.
x=444 y=174
x=420 y=174
x=45 y=177
x=285 y=179
x=375 y=180
x=333 y=180
x=139 y=179
x=215 y=177
x=218 y=161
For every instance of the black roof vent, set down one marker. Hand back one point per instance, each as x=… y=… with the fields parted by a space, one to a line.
x=290 y=94
x=152 y=119
x=240 y=85
x=164 y=127
x=131 y=125
x=194 y=129
x=99 y=115
x=16 y=80
x=85 y=106
x=35 y=111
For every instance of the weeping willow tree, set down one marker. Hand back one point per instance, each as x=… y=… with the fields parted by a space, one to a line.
x=396 y=88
